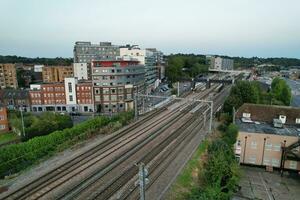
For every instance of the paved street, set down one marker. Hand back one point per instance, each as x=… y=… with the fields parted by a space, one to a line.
x=256 y=183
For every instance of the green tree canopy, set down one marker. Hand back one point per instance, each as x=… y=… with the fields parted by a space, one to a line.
x=280 y=91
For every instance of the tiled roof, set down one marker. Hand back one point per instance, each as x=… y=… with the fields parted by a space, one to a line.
x=266 y=113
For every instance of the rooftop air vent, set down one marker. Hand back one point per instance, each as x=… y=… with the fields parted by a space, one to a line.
x=277 y=123
x=282 y=118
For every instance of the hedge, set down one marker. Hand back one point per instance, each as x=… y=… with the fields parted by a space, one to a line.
x=17 y=157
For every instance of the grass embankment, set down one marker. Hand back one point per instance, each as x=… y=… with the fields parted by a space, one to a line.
x=188 y=179
x=212 y=173
x=17 y=157
x=7 y=137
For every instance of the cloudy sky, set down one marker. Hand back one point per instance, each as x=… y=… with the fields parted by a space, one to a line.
x=49 y=28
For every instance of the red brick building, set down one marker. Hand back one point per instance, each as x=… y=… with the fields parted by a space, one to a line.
x=48 y=97
x=3 y=119
x=84 y=96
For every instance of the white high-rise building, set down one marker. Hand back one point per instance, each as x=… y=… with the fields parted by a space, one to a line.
x=70 y=93
x=218 y=63
x=81 y=71
x=133 y=52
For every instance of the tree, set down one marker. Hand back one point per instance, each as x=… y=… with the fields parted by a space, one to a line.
x=242 y=92
x=281 y=92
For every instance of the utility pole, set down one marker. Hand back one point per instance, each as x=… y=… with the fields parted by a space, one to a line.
x=178 y=89
x=233 y=115
x=22 y=119
x=135 y=107
x=143 y=173
x=211 y=117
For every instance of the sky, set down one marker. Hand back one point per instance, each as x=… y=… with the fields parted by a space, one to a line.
x=49 y=28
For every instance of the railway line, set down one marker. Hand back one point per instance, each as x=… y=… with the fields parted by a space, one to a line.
x=112 y=157
x=158 y=165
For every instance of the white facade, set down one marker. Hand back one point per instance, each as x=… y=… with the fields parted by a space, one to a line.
x=219 y=63
x=70 y=92
x=35 y=86
x=80 y=71
x=133 y=52
x=38 y=68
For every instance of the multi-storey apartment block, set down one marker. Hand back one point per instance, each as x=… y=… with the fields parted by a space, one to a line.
x=268 y=136
x=3 y=119
x=82 y=71
x=55 y=74
x=8 y=76
x=151 y=58
x=70 y=96
x=218 y=63
x=85 y=52
x=114 y=83
x=48 y=97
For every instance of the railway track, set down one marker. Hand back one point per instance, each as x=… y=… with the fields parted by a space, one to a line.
x=53 y=175
x=118 y=181
x=167 y=156
x=58 y=176
x=97 y=179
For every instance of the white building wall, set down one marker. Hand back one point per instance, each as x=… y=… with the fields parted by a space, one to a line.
x=38 y=68
x=135 y=53
x=35 y=86
x=80 y=71
x=70 y=90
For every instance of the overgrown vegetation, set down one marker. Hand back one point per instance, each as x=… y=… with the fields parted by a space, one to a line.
x=220 y=172
x=251 y=92
x=44 y=124
x=185 y=66
x=17 y=157
x=7 y=137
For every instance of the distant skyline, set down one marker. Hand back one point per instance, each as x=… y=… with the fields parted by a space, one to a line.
x=49 y=28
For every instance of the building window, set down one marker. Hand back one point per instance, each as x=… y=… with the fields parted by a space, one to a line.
x=253 y=145
x=293 y=164
x=2 y=127
x=275 y=162
x=276 y=147
x=71 y=98
x=1 y=117
x=266 y=161
x=252 y=159
x=70 y=87
x=268 y=146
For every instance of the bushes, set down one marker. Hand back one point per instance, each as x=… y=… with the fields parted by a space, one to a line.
x=221 y=172
x=17 y=157
x=39 y=125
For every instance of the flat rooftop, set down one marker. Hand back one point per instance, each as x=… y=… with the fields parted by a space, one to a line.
x=266 y=128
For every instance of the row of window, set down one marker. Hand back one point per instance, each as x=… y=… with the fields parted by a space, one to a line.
x=113 y=97
x=114 y=70
x=84 y=101
x=271 y=162
x=50 y=89
x=78 y=88
x=2 y=126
